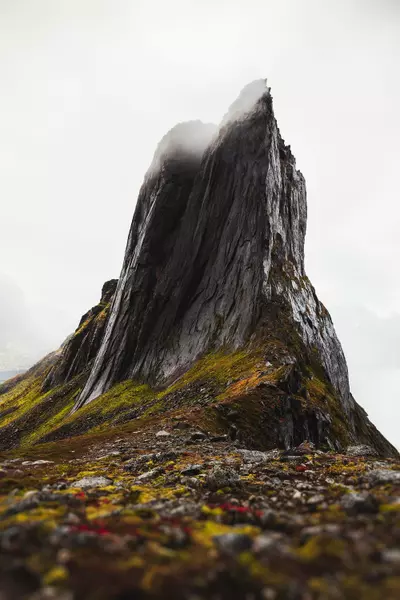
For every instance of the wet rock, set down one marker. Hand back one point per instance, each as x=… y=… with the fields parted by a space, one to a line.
x=221 y=477
x=233 y=543
x=381 y=476
x=355 y=503
x=92 y=482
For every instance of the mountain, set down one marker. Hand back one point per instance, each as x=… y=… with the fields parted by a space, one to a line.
x=196 y=437
x=213 y=317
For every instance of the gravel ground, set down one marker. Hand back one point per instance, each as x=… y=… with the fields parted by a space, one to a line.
x=178 y=514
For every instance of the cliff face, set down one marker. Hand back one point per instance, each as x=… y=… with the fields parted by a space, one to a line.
x=217 y=239
x=80 y=349
x=213 y=320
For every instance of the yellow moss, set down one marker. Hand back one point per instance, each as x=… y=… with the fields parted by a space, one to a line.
x=217 y=366
x=395 y=507
x=319 y=546
x=215 y=512
x=56 y=576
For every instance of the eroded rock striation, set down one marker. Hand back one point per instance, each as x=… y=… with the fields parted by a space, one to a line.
x=213 y=320
x=216 y=247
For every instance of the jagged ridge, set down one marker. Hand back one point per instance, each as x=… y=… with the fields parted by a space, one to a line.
x=213 y=314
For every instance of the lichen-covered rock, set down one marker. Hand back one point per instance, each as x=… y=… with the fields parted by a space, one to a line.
x=382 y=476
x=92 y=482
x=255 y=456
x=354 y=503
x=233 y=543
x=221 y=477
x=361 y=450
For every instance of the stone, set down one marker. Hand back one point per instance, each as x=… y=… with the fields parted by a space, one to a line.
x=382 y=476
x=34 y=463
x=191 y=470
x=191 y=482
x=149 y=475
x=391 y=555
x=315 y=500
x=233 y=543
x=181 y=425
x=361 y=450
x=91 y=482
x=30 y=494
x=356 y=503
x=198 y=436
x=162 y=434
x=266 y=543
x=255 y=456
x=221 y=477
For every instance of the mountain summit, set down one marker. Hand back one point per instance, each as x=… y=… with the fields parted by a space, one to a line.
x=216 y=255
x=213 y=316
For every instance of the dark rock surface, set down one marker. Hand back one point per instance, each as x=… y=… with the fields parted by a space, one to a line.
x=80 y=349
x=213 y=324
x=215 y=260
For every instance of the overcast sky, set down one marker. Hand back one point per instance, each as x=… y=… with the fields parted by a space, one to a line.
x=89 y=87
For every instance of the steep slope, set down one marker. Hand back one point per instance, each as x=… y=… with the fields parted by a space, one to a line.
x=213 y=320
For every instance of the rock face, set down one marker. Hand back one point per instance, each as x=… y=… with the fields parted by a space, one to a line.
x=79 y=350
x=215 y=255
x=213 y=319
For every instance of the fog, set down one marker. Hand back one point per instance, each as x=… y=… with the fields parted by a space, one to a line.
x=90 y=87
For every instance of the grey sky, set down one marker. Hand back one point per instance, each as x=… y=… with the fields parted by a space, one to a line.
x=89 y=87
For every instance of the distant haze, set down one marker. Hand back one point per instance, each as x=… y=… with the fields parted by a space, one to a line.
x=90 y=87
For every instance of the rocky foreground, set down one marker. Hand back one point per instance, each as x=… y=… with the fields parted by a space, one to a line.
x=178 y=513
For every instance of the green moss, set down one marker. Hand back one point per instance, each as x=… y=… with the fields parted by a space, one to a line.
x=21 y=399
x=217 y=366
x=319 y=546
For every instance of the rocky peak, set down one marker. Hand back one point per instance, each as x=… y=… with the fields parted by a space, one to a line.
x=215 y=251
x=213 y=318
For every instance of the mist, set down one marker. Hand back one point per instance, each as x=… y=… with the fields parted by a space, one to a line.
x=90 y=87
